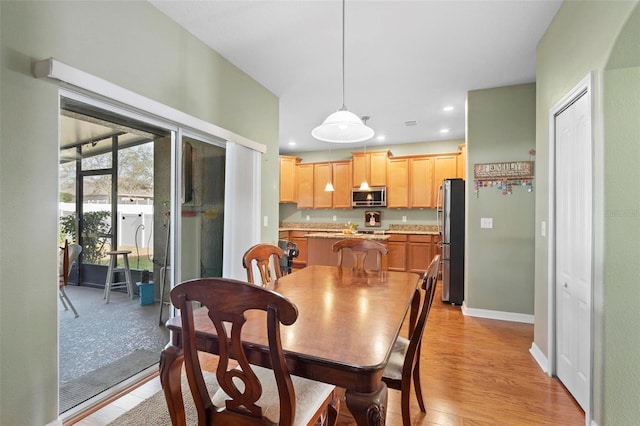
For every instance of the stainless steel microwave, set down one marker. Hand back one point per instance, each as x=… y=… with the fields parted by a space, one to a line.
x=372 y=197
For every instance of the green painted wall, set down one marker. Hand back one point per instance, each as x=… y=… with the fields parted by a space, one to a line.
x=135 y=46
x=621 y=341
x=499 y=261
x=579 y=41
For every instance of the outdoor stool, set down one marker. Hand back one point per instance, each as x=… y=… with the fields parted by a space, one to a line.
x=113 y=261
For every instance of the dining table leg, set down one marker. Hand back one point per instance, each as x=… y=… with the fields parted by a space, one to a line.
x=171 y=361
x=368 y=408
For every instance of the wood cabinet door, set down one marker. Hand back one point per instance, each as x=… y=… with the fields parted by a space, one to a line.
x=342 y=185
x=359 y=168
x=462 y=162
x=421 y=182
x=288 y=185
x=378 y=168
x=300 y=238
x=397 y=256
x=322 y=174
x=419 y=253
x=305 y=186
x=398 y=183
x=444 y=167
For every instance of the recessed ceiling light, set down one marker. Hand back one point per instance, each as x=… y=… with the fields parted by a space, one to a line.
x=292 y=143
x=444 y=130
x=448 y=108
x=380 y=138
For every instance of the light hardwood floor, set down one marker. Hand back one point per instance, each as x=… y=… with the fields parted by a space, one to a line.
x=474 y=372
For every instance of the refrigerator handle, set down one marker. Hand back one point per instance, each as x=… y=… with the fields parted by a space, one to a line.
x=439 y=209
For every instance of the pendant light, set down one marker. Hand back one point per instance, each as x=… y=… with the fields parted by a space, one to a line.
x=329 y=186
x=343 y=126
x=364 y=186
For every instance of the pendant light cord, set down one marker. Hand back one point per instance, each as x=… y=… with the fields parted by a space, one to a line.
x=343 y=33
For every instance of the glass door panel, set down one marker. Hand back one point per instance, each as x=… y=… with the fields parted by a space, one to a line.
x=202 y=209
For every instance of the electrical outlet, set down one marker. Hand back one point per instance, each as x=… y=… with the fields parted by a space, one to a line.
x=404 y=218
x=486 y=222
x=543 y=229
x=308 y=218
x=335 y=217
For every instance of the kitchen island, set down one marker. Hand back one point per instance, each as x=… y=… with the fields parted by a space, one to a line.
x=319 y=249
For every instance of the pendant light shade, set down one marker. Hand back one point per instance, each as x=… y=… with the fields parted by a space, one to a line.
x=329 y=187
x=343 y=126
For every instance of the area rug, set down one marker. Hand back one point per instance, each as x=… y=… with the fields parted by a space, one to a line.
x=83 y=388
x=153 y=410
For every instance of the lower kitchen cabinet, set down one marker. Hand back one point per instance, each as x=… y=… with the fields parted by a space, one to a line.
x=299 y=238
x=420 y=251
x=397 y=257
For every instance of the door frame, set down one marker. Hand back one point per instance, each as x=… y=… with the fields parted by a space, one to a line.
x=583 y=88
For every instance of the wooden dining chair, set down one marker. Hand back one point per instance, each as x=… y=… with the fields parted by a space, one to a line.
x=360 y=248
x=404 y=362
x=248 y=394
x=69 y=253
x=262 y=255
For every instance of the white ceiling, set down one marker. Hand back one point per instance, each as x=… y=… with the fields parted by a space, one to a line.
x=404 y=60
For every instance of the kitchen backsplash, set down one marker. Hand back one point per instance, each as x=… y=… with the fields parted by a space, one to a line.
x=340 y=226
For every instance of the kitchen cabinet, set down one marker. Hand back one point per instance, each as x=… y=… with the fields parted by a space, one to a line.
x=299 y=238
x=312 y=179
x=371 y=166
x=342 y=184
x=462 y=162
x=305 y=174
x=444 y=166
x=288 y=185
x=398 y=183
x=322 y=174
x=410 y=182
x=397 y=256
x=421 y=193
x=420 y=251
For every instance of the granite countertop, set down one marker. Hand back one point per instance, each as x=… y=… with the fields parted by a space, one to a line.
x=340 y=235
x=338 y=227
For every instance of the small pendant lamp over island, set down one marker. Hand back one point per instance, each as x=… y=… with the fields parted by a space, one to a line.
x=343 y=126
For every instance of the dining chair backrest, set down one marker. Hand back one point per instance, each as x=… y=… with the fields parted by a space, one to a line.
x=69 y=253
x=405 y=359
x=263 y=255
x=360 y=248
x=239 y=399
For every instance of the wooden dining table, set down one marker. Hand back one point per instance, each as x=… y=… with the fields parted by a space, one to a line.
x=344 y=334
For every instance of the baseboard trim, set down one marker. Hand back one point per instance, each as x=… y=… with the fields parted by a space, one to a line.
x=540 y=357
x=497 y=315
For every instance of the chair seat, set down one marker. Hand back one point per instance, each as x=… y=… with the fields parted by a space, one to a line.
x=393 y=370
x=310 y=396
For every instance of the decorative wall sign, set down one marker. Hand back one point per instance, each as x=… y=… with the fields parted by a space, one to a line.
x=503 y=175
x=502 y=171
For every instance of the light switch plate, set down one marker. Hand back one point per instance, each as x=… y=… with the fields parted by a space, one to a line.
x=486 y=222
x=265 y=221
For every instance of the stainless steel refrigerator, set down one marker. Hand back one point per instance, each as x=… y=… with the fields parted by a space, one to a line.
x=451 y=226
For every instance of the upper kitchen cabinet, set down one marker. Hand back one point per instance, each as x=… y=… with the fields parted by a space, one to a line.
x=398 y=183
x=342 y=184
x=322 y=174
x=312 y=179
x=371 y=166
x=288 y=187
x=410 y=182
x=462 y=162
x=305 y=186
x=444 y=167
x=421 y=182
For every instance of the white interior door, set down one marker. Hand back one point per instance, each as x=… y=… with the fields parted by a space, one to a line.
x=573 y=246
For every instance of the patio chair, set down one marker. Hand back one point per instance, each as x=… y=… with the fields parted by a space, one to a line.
x=68 y=254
